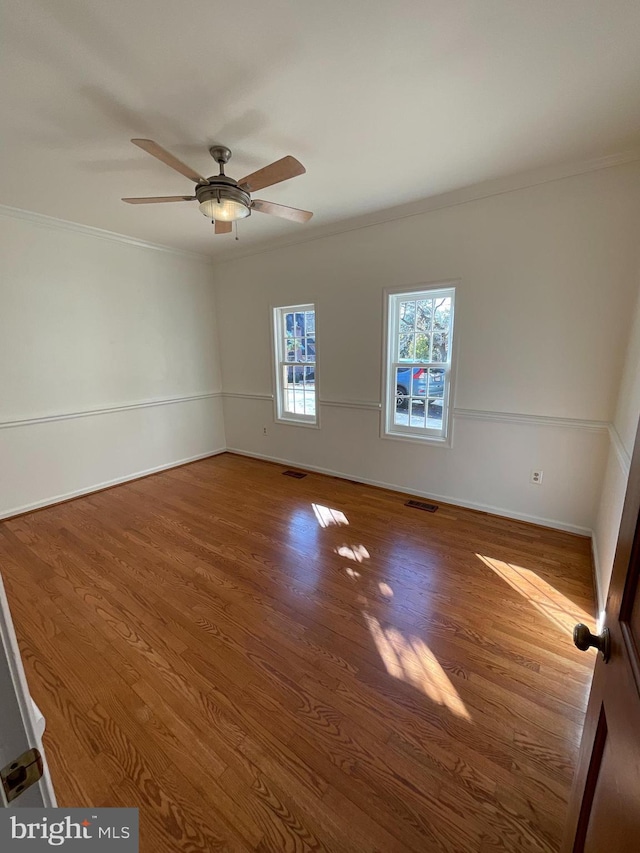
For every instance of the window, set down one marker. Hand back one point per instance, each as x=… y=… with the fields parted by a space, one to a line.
x=418 y=364
x=295 y=352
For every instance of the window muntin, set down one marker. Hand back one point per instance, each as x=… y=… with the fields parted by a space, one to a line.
x=419 y=350
x=296 y=387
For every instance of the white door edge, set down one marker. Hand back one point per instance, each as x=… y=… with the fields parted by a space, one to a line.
x=20 y=728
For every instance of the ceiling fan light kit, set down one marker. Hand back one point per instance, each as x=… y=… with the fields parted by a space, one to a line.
x=222 y=199
x=227 y=203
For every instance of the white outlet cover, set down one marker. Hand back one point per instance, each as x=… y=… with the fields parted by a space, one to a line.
x=536 y=477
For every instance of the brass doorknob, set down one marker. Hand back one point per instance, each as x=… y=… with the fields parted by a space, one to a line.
x=584 y=639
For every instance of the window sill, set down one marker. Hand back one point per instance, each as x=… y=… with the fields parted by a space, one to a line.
x=295 y=422
x=414 y=438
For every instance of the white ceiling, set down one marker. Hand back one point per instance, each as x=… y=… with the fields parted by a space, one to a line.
x=385 y=103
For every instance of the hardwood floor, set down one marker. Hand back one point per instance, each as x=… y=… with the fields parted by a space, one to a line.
x=270 y=664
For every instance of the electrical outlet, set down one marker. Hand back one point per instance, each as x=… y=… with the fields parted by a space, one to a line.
x=264 y=430
x=536 y=477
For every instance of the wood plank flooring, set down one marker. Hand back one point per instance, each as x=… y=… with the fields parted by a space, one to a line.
x=267 y=664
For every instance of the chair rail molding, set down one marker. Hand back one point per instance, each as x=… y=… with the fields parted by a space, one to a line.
x=105 y=410
x=468 y=414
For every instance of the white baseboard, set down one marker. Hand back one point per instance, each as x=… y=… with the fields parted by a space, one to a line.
x=18 y=510
x=492 y=510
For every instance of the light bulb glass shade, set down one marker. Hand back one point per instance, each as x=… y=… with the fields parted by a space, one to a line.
x=225 y=210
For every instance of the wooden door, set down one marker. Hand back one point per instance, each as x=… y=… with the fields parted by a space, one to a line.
x=604 y=810
x=19 y=733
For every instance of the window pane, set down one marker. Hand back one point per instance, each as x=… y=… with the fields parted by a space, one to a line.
x=407 y=316
x=403 y=386
x=401 y=415
x=419 y=383
x=423 y=347
x=310 y=390
x=288 y=389
x=299 y=324
x=436 y=382
x=291 y=349
x=405 y=348
x=440 y=346
x=434 y=414
x=310 y=319
x=289 y=324
x=311 y=349
x=417 y=418
x=424 y=314
x=442 y=312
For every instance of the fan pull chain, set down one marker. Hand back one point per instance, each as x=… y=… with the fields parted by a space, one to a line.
x=236 y=224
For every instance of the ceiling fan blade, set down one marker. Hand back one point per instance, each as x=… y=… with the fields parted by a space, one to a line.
x=276 y=172
x=281 y=210
x=223 y=227
x=158 y=199
x=168 y=159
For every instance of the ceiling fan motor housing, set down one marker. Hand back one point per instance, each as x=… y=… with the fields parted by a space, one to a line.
x=220 y=189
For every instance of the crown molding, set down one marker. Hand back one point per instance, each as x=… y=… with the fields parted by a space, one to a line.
x=473 y=192
x=462 y=195
x=102 y=234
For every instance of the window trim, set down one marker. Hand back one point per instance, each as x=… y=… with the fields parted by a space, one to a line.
x=280 y=416
x=414 y=434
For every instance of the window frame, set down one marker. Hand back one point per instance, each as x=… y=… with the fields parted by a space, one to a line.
x=278 y=313
x=392 y=298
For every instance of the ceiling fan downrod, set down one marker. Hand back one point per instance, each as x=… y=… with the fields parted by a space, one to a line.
x=221 y=154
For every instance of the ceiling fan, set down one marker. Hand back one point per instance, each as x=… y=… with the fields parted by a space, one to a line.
x=222 y=199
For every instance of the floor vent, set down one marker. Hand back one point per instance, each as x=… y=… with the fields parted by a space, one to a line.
x=298 y=475
x=422 y=505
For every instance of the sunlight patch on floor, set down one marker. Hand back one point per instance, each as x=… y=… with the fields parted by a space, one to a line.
x=409 y=659
x=545 y=598
x=358 y=553
x=328 y=517
x=385 y=590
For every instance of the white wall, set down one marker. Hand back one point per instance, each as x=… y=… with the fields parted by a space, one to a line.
x=548 y=284
x=623 y=433
x=109 y=360
x=96 y=335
